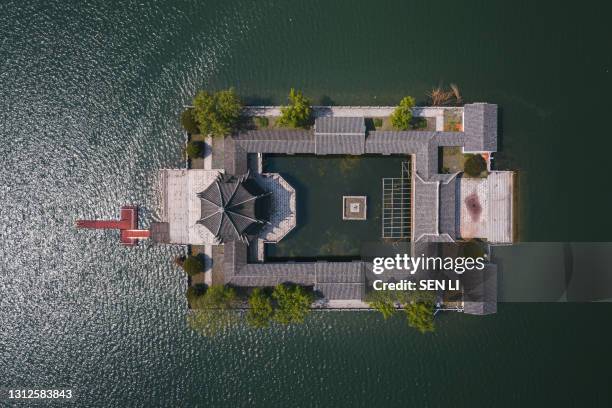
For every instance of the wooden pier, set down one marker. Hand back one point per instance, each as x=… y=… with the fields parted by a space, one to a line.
x=129 y=234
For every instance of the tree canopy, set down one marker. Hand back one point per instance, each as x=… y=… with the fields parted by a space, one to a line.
x=192 y=265
x=297 y=113
x=402 y=115
x=293 y=304
x=194 y=149
x=214 y=311
x=217 y=297
x=383 y=302
x=475 y=165
x=420 y=316
x=420 y=312
x=260 y=312
x=217 y=113
x=211 y=322
x=188 y=121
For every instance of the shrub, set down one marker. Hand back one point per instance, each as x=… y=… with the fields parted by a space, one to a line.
x=217 y=114
x=194 y=149
x=262 y=121
x=378 y=122
x=475 y=165
x=260 y=311
x=419 y=123
x=402 y=115
x=293 y=304
x=297 y=113
x=188 y=122
x=192 y=265
x=194 y=292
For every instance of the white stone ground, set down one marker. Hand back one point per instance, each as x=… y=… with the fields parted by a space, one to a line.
x=494 y=195
x=182 y=207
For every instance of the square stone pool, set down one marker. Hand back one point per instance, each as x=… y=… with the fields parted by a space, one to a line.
x=320 y=184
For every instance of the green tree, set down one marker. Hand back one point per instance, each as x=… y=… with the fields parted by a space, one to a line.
x=211 y=322
x=194 y=149
x=402 y=115
x=260 y=309
x=420 y=312
x=217 y=113
x=188 y=121
x=382 y=301
x=475 y=165
x=293 y=304
x=297 y=113
x=192 y=265
x=214 y=311
x=218 y=297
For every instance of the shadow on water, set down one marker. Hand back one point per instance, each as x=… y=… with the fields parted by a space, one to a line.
x=326 y=100
x=257 y=100
x=500 y=128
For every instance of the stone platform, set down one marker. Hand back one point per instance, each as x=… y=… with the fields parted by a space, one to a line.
x=354 y=208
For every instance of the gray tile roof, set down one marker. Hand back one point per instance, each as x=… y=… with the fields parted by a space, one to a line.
x=448 y=208
x=340 y=280
x=340 y=125
x=480 y=127
x=276 y=141
x=396 y=142
x=334 y=280
x=480 y=291
x=235 y=157
x=271 y=274
x=340 y=135
x=339 y=272
x=341 y=291
x=228 y=208
x=234 y=259
x=339 y=144
x=425 y=208
x=448 y=138
x=264 y=274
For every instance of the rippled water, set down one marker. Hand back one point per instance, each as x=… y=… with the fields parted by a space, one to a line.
x=90 y=93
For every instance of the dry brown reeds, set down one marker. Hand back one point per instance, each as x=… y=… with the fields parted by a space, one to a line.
x=440 y=97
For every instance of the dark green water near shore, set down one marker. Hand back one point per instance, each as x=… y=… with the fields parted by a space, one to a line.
x=89 y=101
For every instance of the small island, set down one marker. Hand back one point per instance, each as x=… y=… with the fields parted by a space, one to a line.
x=419 y=178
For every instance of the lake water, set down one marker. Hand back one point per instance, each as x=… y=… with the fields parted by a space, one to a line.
x=90 y=98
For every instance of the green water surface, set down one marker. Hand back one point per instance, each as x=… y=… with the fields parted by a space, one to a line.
x=320 y=183
x=90 y=97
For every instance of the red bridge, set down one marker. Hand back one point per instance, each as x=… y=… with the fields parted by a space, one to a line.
x=129 y=234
